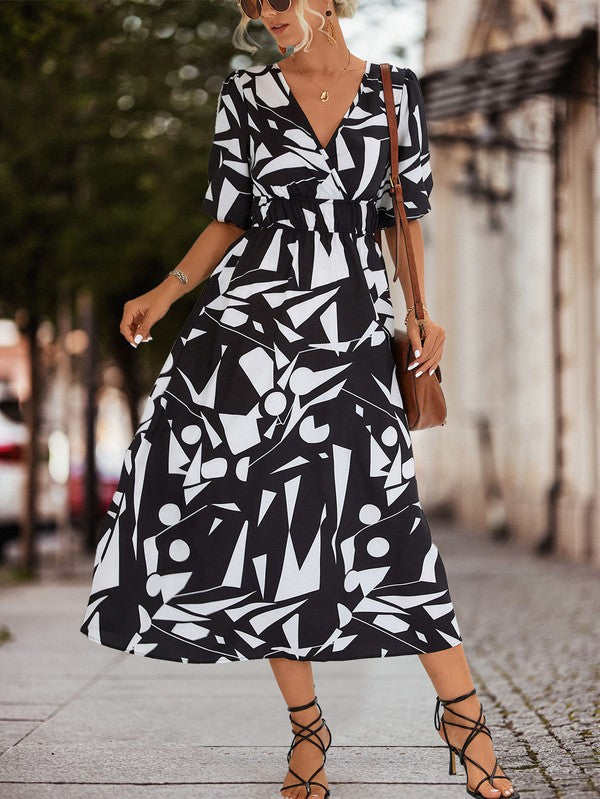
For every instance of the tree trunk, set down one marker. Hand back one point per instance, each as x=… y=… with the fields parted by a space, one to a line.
x=85 y=305
x=31 y=411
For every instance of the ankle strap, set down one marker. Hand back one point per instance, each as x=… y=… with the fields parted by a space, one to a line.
x=303 y=707
x=458 y=699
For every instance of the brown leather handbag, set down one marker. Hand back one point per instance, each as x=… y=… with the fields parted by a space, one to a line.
x=422 y=396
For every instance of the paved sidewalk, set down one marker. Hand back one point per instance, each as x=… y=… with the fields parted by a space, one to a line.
x=81 y=721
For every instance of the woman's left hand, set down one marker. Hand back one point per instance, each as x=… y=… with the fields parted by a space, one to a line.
x=430 y=353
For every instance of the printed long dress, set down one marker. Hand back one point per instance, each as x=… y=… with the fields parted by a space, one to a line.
x=268 y=502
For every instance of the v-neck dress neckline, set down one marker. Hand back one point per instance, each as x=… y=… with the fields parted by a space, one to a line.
x=347 y=114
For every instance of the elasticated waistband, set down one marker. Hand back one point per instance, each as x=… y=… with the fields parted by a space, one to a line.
x=309 y=213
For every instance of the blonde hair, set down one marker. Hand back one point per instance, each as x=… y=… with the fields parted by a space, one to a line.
x=343 y=8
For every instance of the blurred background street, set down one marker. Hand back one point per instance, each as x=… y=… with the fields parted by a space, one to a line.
x=107 y=111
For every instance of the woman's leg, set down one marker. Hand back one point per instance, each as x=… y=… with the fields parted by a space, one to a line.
x=451 y=677
x=296 y=682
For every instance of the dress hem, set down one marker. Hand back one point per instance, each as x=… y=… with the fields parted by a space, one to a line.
x=115 y=642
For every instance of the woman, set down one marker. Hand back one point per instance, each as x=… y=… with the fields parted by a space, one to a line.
x=268 y=504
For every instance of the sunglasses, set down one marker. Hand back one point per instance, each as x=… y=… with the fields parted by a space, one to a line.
x=253 y=8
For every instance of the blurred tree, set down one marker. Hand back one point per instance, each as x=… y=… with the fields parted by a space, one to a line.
x=107 y=113
x=106 y=118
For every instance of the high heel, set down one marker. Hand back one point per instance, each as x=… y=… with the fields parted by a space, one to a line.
x=301 y=736
x=478 y=726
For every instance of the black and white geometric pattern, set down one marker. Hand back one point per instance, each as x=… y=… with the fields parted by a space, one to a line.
x=268 y=503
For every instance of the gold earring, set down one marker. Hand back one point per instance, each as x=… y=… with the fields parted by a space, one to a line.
x=330 y=29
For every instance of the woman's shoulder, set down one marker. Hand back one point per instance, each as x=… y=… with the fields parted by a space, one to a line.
x=253 y=70
x=256 y=69
x=400 y=74
x=249 y=77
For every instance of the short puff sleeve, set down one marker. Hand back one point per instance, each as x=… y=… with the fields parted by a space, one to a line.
x=228 y=197
x=413 y=158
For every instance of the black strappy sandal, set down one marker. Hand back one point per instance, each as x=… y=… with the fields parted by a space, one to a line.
x=478 y=726
x=300 y=736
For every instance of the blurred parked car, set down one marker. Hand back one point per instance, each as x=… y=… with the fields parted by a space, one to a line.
x=13 y=441
x=13 y=472
x=14 y=437
x=66 y=492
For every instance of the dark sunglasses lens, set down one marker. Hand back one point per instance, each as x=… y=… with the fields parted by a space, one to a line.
x=251 y=8
x=280 y=5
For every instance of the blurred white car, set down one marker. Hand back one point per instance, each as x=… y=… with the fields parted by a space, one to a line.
x=14 y=437
x=13 y=443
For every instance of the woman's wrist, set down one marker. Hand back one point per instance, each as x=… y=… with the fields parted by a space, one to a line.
x=411 y=311
x=173 y=287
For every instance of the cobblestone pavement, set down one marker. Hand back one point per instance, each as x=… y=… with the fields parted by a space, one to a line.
x=531 y=629
x=88 y=722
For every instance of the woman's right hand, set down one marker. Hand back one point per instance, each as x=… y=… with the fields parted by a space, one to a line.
x=142 y=312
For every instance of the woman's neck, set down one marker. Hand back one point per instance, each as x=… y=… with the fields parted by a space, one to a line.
x=321 y=65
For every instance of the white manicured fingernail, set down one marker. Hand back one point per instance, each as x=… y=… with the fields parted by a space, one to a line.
x=418 y=373
x=412 y=366
x=417 y=353
x=431 y=371
x=138 y=338
x=133 y=345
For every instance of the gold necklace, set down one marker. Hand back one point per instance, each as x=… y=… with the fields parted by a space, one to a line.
x=325 y=92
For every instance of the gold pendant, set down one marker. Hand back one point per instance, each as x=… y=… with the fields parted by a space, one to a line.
x=324 y=96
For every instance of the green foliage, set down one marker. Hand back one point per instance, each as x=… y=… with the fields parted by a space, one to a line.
x=107 y=113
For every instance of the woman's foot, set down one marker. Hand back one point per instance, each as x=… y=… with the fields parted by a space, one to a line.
x=480 y=749
x=307 y=755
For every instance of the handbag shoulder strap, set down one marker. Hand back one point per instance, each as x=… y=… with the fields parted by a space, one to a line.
x=396 y=192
